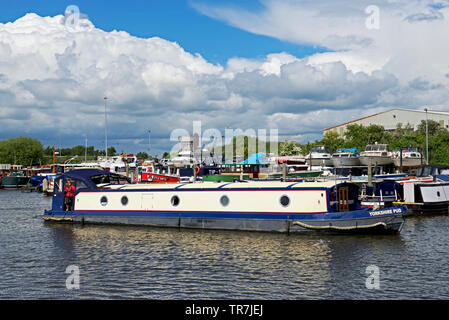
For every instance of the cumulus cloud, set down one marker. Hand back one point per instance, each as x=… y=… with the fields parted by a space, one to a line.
x=54 y=75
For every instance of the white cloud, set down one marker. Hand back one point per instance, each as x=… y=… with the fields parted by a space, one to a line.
x=53 y=78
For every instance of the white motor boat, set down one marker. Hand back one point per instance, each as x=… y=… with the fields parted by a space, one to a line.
x=320 y=156
x=345 y=158
x=411 y=158
x=376 y=154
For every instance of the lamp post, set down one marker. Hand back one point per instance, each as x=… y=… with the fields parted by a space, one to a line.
x=85 y=151
x=427 y=138
x=105 y=128
x=149 y=142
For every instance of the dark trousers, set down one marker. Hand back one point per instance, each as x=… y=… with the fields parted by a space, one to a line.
x=68 y=203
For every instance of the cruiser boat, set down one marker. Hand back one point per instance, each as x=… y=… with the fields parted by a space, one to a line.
x=345 y=158
x=119 y=163
x=411 y=158
x=319 y=156
x=274 y=206
x=376 y=154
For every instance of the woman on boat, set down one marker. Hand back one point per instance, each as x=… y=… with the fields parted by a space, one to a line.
x=69 y=191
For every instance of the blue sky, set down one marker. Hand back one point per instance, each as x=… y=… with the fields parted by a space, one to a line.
x=253 y=72
x=173 y=20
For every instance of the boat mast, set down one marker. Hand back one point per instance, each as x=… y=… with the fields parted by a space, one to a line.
x=105 y=128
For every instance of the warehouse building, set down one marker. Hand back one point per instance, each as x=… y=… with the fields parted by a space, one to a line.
x=391 y=118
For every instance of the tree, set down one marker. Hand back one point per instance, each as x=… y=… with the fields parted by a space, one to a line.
x=333 y=140
x=25 y=151
x=166 y=155
x=288 y=148
x=433 y=128
x=142 y=155
x=111 y=151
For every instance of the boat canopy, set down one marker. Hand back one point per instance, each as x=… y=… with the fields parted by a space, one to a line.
x=376 y=147
x=353 y=150
x=256 y=158
x=321 y=149
x=93 y=177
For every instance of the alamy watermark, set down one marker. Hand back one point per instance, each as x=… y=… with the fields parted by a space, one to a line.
x=72 y=17
x=373 y=280
x=73 y=280
x=372 y=22
x=225 y=146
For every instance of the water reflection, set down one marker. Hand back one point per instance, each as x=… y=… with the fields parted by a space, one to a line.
x=196 y=264
x=155 y=263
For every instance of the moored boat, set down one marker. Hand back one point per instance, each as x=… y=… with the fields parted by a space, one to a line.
x=250 y=206
x=409 y=158
x=376 y=154
x=14 y=181
x=319 y=156
x=345 y=158
x=425 y=197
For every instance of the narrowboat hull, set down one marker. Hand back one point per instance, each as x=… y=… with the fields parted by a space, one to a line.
x=271 y=206
x=356 y=221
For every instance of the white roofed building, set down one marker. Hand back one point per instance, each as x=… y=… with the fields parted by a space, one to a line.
x=391 y=118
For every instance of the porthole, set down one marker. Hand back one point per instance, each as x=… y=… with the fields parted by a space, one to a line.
x=224 y=200
x=175 y=201
x=438 y=193
x=104 y=201
x=285 y=201
x=124 y=200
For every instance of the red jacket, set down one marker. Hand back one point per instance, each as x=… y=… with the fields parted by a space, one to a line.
x=69 y=191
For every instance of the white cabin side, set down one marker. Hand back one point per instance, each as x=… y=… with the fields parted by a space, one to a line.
x=228 y=198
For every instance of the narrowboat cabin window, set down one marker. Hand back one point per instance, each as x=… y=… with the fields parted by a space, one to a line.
x=224 y=200
x=104 y=201
x=285 y=201
x=175 y=201
x=124 y=200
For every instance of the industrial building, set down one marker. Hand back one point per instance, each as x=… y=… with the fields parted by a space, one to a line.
x=391 y=118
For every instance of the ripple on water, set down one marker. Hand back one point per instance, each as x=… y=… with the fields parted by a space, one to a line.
x=118 y=262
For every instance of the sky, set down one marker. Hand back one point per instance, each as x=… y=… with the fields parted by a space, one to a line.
x=296 y=66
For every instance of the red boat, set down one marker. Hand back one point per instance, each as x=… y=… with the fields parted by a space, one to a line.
x=157 y=177
x=149 y=175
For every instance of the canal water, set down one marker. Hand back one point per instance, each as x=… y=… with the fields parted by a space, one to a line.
x=39 y=260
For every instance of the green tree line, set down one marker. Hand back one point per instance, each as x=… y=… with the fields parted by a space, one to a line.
x=28 y=151
x=358 y=136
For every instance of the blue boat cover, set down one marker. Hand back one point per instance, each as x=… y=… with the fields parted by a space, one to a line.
x=256 y=158
x=353 y=150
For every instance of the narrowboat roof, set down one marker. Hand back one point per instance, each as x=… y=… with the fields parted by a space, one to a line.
x=229 y=185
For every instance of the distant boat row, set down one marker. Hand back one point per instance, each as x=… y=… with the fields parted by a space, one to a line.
x=374 y=154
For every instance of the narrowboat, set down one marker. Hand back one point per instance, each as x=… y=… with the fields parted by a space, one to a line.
x=424 y=197
x=273 y=206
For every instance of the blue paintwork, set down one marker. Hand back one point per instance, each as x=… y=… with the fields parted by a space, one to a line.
x=355 y=211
